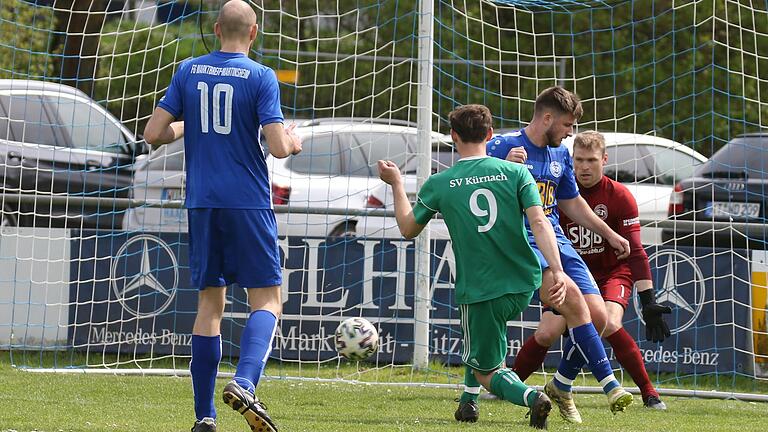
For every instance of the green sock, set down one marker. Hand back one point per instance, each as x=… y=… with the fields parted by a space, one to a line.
x=471 y=386
x=506 y=385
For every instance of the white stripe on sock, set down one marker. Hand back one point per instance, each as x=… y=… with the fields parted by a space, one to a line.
x=570 y=352
x=271 y=342
x=525 y=396
x=562 y=379
x=583 y=354
x=472 y=390
x=607 y=380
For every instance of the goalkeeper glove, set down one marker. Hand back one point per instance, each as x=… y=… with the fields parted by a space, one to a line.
x=656 y=329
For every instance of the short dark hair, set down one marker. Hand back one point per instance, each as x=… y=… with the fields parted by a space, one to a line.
x=559 y=100
x=471 y=122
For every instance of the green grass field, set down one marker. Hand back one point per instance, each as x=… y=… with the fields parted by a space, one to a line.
x=77 y=402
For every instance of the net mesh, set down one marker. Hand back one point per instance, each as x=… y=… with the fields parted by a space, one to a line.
x=678 y=79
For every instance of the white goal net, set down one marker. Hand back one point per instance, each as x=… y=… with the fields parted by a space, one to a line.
x=94 y=271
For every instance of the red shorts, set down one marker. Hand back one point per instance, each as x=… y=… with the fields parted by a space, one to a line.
x=617 y=289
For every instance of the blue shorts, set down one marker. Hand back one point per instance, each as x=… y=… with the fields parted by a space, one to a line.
x=229 y=246
x=573 y=266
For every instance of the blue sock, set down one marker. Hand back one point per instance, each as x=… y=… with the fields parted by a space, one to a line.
x=255 y=346
x=585 y=347
x=569 y=367
x=206 y=354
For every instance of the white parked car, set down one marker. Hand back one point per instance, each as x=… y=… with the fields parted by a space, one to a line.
x=649 y=166
x=336 y=170
x=161 y=180
x=444 y=155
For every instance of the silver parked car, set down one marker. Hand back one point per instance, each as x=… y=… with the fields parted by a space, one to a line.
x=55 y=141
x=337 y=169
x=648 y=166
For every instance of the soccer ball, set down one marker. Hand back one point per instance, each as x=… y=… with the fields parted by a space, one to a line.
x=356 y=339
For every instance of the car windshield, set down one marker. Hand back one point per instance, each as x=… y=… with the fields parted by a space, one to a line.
x=396 y=147
x=87 y=126
x=352 y=154
x=740 y=158
x=647 y=163
x=444 y=155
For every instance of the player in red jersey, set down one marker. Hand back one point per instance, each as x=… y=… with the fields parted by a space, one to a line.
x=613 y=203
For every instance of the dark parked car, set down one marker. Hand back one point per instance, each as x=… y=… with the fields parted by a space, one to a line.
x=56 y=141
x=731 y=187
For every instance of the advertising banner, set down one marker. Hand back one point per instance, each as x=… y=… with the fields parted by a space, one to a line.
x=131 y=293
x=760 y=311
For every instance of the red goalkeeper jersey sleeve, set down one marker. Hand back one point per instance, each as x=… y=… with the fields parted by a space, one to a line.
x=614 y=204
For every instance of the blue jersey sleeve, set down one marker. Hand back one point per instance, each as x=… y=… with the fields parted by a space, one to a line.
x=172 y=100
x=499 y=146
x=567 y=188
x=268 y=108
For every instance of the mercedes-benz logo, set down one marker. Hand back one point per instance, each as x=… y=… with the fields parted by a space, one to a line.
x=685 y=295
x=142 y=293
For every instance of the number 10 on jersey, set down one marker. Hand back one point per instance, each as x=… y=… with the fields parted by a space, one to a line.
x=222 y=115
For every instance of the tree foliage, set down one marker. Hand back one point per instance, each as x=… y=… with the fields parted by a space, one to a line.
x=136 y=63
x=685 y=70
x=25 y=39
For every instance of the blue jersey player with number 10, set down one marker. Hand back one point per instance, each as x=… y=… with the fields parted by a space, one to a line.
x=537 y=146
x=224 y=97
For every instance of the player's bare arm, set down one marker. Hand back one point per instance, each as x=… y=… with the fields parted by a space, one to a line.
x=390 y=174
x=545 y=239
x=580 y=212
x=162 y=128
x=281 y=140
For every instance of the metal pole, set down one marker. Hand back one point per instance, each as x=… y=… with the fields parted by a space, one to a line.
x=421 y=297
x=561 y=73
x=107 y=204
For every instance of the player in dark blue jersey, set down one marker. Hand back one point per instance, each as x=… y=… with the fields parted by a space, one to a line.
x=224 y=97
x=538 y=147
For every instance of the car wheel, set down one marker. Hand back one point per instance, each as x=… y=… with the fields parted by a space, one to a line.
x=344 y=229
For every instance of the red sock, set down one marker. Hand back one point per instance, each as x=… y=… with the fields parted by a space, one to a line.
x=529 y=359
x=628 y=354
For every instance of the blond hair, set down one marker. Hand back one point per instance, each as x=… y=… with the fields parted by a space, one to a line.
x=589 y=140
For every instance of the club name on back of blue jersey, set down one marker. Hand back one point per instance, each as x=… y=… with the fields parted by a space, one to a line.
x=220 y=71
x=473 y=180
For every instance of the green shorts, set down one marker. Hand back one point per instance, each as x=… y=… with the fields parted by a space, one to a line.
x=484 y=327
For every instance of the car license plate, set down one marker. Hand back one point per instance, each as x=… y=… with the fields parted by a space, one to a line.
x=733 y=209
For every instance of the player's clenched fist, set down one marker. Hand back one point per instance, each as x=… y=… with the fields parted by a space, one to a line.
x=517 y=154
x=558 y=289
x=620 y=246
x=389 y=172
